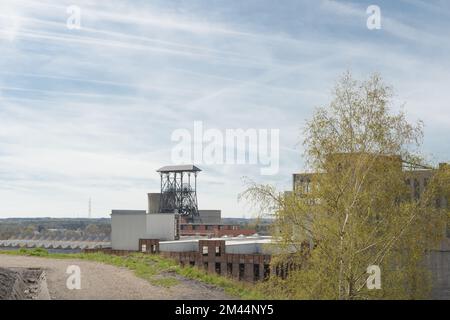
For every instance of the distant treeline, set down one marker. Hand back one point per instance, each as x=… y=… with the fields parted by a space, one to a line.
x=26 y=227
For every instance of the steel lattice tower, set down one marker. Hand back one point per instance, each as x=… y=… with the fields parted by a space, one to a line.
x=179 y=190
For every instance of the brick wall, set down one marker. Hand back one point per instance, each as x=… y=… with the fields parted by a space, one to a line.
x=211 y=257
x=149 y=245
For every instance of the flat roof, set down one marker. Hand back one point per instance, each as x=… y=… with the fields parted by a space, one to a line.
x=228 y=241
x=247 y=241
x=179 y=168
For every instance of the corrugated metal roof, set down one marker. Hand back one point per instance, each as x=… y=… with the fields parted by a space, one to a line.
x=179 y=168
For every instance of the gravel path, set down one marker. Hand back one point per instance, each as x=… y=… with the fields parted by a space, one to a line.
x=101 y=281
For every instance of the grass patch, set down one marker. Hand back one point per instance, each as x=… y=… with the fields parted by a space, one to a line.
x=165 y=282
x=155 y=269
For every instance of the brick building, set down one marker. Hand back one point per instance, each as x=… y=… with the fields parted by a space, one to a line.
x=244 y=259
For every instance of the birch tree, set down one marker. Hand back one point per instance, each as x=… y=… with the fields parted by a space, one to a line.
x=357 y=211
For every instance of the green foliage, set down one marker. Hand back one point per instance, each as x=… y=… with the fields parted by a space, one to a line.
x=356 y=210
x=38 y=252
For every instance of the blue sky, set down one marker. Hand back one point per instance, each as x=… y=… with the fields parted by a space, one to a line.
x=90 y=112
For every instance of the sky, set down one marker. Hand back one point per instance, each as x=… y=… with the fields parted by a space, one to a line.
x=90 y=112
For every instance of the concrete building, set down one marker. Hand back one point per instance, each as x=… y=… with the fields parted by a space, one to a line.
x=205 y=216
x=128 y=226
x=209 y=217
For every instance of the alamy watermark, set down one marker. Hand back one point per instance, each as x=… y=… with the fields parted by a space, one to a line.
x=374 y=19
x=374 y=278
x=74 y=20
x=73 y=281
x=231 y=146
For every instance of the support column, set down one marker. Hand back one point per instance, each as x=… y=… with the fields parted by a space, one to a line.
x=223 y=269
x=248 y=272
x=261 y=270
x=235 y=271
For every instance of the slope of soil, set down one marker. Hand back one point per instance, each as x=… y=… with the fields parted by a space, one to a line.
x=12 y=286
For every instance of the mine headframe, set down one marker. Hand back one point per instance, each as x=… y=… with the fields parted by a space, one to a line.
x=179 y=190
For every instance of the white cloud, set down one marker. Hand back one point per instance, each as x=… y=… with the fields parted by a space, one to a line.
x=10 y=24
x=89 y=113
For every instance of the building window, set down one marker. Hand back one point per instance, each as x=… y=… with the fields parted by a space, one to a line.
x=241 y=271
x=144 y=248
x=182 y=227
x=217 y=251
x=255 y=272
x=153 y=248
x=266 y=271
x=218 y=267
x=229 y=269
x=194 y=227
x=205 y=250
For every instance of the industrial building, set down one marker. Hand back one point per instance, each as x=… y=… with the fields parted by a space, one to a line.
x=242 y=258
x=172 y=214
x=128 y=226
x=173 y=226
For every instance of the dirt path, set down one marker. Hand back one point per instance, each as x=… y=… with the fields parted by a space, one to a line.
x=101 y=281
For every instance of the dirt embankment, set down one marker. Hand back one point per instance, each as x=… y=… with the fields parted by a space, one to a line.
x=11 y=287
x=22 y=284
x=101 y=281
